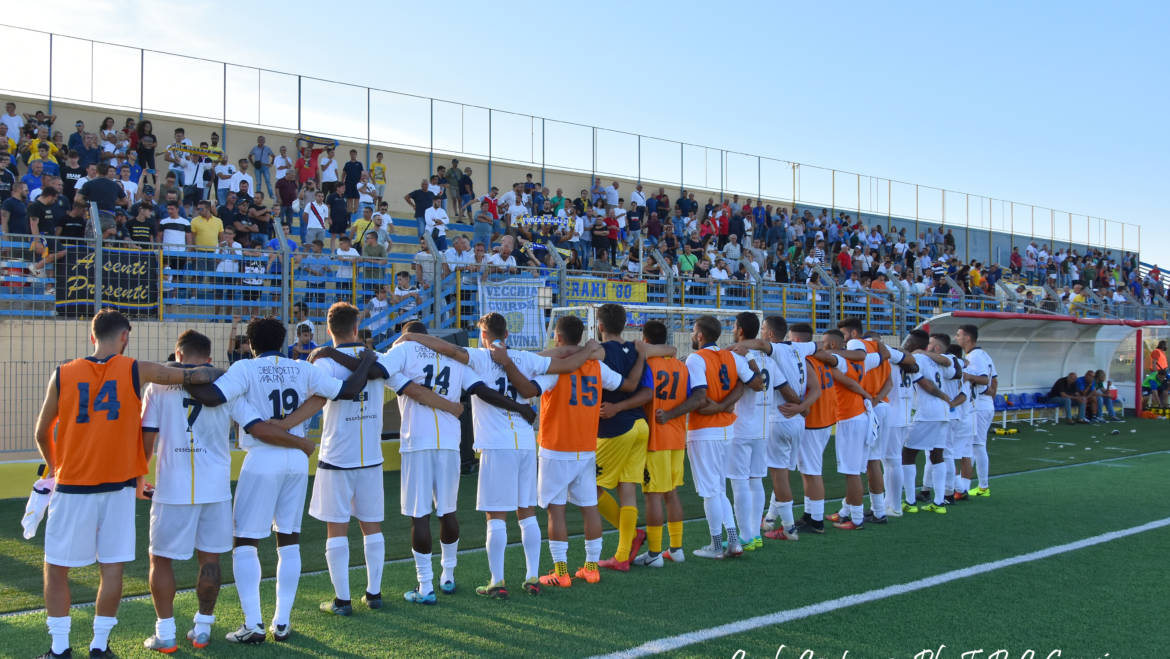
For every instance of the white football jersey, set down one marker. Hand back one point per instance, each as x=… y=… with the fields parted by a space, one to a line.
x=902 y=395
x=496 y=428
x=979 y=363
x=426 y=427
x=752 y=409
x=275 y=385
x=790 y=358
x=193 y=448
x=952 y=384
x=926 y=406
x=351 y=430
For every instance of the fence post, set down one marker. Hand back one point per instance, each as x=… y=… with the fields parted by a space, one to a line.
x=96 y=221
x=436 y=279
x=286 y=274
x=51 y=76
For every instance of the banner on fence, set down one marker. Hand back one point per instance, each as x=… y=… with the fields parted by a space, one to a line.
x=583 y=290
x=129 y=281
x=518 y=301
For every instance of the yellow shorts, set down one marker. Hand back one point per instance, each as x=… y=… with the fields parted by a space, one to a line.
x=622 y=459
x=664 y=470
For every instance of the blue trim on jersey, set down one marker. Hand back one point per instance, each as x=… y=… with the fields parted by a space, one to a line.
x=149 y=429
x=271 y=353
x=96 y=489
x=355 y=344
x=321 y=464
x=249 y=425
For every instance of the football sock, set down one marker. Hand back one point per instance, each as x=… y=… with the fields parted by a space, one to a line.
x=203 y=623
x=713 y=510
x=59 y=631
x=609 y=508
x=374 y=545
x=530 y=538
x=857 y=514
x=964 y=484
x=654 y=539
x=164 y=628
x=981 y=461
x=786 y=514
x=449 y=557
x=773 y=507
x=892 y=475
x=877 y=502
x=728 y=517
x=559 y=549
x=497 y=540
x=949 y=473
x=246 y=571
x=288 y=576
x=816 y=509
x=676 y=534
x=627 y=528
x=757 y=487
x=909 y=475
x=593 y=550
x=424 y=571
x=742 y=492
x=337 y=560
x=102 y=626
x=939 y=478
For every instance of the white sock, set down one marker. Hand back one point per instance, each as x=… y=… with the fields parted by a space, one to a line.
x=497 y=540
x=786 y=514
x=203 y=623
x=424 y=572
x=857 y=514
x=757 y=485
x=773 y=507
x=816 y=508
x=877 y=502
x=102 y=626
x=337 y=560
x=288 y=577
x=964 y=484
x=448 y=558
x=59 y=631
x=741 y=489
x=981 y=461
x=164 y=628
x=530 y=538
x=892 y=476
x=949 y=466
x=728 y=516
x=246 y=571
x=559 y=550
x=909 y=476
x=592 y=550
x=713 y=510
x=374 y=546
x=927 y=474
x=938 y=477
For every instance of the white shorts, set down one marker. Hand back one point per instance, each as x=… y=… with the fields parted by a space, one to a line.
x=893 y=439
x=961 y=436
x=982 y=425
x=507 y=480
x=177 y=529
x=877 y=451
x=927 y=435
x=270 y=493
x=84 y=529
x=430 y=482
x=781 y=453
x=850 y=445
x=708 y=458
x=568 y=481
x=339 y=494
x=810 y=452
x=747 y=458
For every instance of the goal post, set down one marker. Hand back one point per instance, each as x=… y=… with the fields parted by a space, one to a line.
x=678 y=321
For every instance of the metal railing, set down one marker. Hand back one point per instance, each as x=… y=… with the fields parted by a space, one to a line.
x=59 y=68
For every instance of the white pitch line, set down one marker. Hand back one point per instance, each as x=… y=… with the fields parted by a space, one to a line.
x=682 y=640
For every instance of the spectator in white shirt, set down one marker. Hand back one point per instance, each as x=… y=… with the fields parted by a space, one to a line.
x=503 y=260
x=612 y=198
x=459 y=255
x=436 y=224
x=282 y=163
x=315 y=219
x=348 y=256
x=366 y=192
x=327 y=165
x=241 y=175
x=720 y=270
x=224 y=173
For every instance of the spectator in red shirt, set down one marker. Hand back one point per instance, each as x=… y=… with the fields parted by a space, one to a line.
x=844 y=261
x=306 y=167
x=1016 y=263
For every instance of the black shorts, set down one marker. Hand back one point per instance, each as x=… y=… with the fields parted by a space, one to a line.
x=351 y=191
x=338 y=228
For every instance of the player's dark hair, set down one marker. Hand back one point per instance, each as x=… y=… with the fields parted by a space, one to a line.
x=941 y=338
x=415 y=327
x=955 y=350
x=611 y=318
x=654 y=332
x=837 y=334
x=777 y=325
x=917 y=340
x=494 y=325
x=971 y=331
x=266 y=335
x=852 y=324
x=801 y=331
x=748 y=323
x=193 y=345
x=107 y=323
x=1161 y=345
x=571 y=328
x=342 y=318
x=709 y=327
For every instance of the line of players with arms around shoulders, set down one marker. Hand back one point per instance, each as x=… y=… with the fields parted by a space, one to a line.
x=615 y=416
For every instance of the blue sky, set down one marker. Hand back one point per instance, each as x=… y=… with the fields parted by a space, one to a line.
x=1058 y=104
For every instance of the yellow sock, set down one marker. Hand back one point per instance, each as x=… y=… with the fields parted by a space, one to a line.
x=561 y=569
x=591 y=566
x=654 y=538
x=608 y=507
x=627 y=527
x=675 y=529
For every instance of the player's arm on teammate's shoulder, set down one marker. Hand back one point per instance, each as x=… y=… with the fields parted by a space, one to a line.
x=854 y=386
x=270 y=433
x=426 y=396
x=441 y=346
x=634 y=378
x=643 y=396
x=163 y=374
x=45 y=422
x=741 y=348
x=361 y=374
x=655 y=350
x=941 y=360
x=757 y=382
x=696 y=399
x=496 y=399
x=929 y=388
x=301 y=414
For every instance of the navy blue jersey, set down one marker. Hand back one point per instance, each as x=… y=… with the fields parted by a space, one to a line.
x=620 y=357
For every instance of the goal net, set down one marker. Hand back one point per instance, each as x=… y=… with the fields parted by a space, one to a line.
x=679 y=322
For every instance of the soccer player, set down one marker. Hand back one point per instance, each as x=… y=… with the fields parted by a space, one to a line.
x=950 y=364
x=507 y=444
x=785 y=429
x=962 y=433
x=984 y=379
x=929 y=431
x=97 y=459
x=570 y=407
x=896 y=425
x=747 y=462
x=191 y=509
x=714 y=376
x=270 y=492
